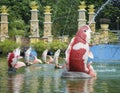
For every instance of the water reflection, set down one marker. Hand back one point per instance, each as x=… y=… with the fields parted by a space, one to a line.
x=31 y=78
x=15 y=83
x=80 y=86
x=43 y=78
x=46 y=80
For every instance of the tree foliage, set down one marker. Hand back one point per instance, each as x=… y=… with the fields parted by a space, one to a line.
x=64 y=13
x=8 y=46
x=17 y=28
x=53 y=46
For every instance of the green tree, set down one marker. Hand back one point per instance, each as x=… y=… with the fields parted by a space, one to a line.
x=64 y=13
x=17 y=27
x=7 y=46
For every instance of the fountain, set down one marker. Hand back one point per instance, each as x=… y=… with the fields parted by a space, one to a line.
x=108 y=1
x=107 y=52
x=77 y=66
x=77 y=55
x=43 y=78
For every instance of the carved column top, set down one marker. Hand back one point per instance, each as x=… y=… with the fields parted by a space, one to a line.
x=4 y=9
x=34 y=5
x=91 y=9
x=82 y=6
x=48 y=9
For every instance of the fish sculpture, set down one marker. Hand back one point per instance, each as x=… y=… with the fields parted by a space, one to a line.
x=44 y=56
x=13 y=62
x=10 y=57
x=56 y=56
x=27 y=56
x=49 y=59
x=78 y=52
x=36 y=60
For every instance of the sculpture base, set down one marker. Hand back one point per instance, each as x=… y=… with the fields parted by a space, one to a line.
x=14 y=71
x=77 y=75
x=11 y=70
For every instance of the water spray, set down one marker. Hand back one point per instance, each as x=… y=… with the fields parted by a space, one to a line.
x=108 y=1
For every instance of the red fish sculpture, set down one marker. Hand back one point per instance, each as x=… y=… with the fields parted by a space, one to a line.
x=78 y=52
x=13 y=62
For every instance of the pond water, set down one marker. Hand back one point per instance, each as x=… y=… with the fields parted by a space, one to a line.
x=43 y=78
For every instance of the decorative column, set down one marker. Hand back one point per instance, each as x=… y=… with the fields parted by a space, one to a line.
x=91 y=17
x=104 y=24
x=34 y=22
x=82 y=17
x=47 y=24
x=4 y=23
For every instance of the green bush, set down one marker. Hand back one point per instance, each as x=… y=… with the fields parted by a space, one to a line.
x=53 y=46
x=7 y=46
x=56 y=44
x=39 y=46
x=113 y=38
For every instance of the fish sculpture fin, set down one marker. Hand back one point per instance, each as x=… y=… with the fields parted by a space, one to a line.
x=91 y=55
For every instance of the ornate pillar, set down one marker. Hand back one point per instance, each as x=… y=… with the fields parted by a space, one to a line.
x=47 y=24
x=105 y=29
x=82 y=16
x=34 y=22
x=91 y=17
x=4 y=23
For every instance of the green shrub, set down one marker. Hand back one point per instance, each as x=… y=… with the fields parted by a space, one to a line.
x=39 y=46
x=113 y=38
x=57 y=44
x=53 y=46
x=7 y=46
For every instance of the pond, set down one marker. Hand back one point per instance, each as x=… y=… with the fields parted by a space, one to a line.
x=43 y=78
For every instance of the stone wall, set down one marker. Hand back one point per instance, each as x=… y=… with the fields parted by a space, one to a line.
x=103 y=37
